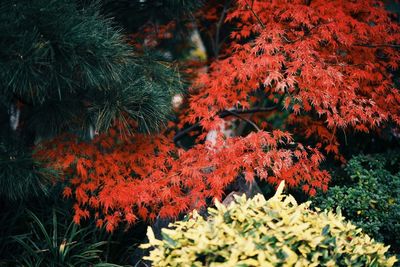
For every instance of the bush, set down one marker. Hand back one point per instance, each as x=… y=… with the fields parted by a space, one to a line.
x=371 y=196
x=257 y=232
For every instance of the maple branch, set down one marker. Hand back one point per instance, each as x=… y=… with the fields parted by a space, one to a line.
x=255 y=15
x=342 y=64
x=379 y=45
x=219 y=25
x=184 y=132
x=305 y=34
x=225 y=113
x=245 y=119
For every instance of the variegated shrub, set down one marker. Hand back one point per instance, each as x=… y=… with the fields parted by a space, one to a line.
x=259 y=232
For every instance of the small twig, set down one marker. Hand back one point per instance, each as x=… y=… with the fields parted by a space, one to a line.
x=343 y=64
x=255 y=15
x=225 y=113
x=219 y=25
x=305 y=35
x=345 y=137
x=333 y=135
x=184 y=132
x=242 y=125
x=379 y=45
x=245 y=119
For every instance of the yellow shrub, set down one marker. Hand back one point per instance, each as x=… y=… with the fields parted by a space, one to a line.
x=257 y=232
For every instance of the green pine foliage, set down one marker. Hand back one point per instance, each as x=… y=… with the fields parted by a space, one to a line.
x=41 y=233
x=57 y=57
x=20 y=174
x=371 y=196
x=66 y=67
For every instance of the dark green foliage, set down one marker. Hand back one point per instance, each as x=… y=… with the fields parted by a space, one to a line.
x=51 y=50
x=42 y=233
x=154 y=11
x=58 y=243
x=20 y=174
x=136 y=15
x=60 y=60
x=371 y=196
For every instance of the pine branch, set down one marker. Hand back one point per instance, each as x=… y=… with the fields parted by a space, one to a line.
x=82 y=70
x=21 y=176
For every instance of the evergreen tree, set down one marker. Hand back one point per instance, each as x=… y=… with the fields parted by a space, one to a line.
x=66 y=67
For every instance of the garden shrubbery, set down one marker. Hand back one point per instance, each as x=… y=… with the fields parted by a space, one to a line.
x=371 y=196
x=259 y=232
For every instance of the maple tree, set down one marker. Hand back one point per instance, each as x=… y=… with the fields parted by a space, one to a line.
x=328 y=64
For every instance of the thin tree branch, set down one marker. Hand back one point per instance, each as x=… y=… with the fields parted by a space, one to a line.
x=305 y=35
x=379 y=45
x=219 y=25
x=245 y=119
x=184 y=132
x=319 y=25
x=225 y=113
x=255 y=15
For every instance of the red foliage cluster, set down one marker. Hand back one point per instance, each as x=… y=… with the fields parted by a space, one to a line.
x=142 y=178
x=327 y=61
x=329 y=58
